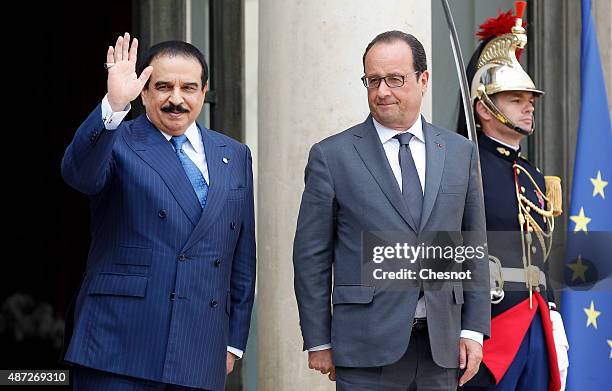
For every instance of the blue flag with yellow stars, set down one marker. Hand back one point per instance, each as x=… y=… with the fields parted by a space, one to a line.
x=587 y=300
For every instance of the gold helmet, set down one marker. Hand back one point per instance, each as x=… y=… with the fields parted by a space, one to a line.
x=498 y=70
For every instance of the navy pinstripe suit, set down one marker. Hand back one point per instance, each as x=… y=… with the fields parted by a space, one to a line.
x=168 y=286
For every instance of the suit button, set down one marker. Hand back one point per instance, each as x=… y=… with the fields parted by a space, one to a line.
x=161 y=214
x=93 y=137
x=172 y=296
x=213 y=303
x=217 y=262
x=232 y=226
x=182 y=257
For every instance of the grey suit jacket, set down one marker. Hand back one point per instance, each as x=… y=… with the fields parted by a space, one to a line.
x=350 y=189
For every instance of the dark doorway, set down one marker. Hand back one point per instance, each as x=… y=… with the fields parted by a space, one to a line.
x=54 y=78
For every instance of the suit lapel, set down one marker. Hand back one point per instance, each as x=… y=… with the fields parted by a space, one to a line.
x=435 y=152
x=154 y=149
x=219 y=173
x=368 y=146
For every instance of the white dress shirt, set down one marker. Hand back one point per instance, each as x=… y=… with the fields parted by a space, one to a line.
x=194 y=148
x=417 y=149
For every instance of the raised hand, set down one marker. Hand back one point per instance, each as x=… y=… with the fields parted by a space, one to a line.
x=123 y=84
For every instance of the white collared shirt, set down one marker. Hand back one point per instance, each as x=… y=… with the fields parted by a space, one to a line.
x=417 y=149
x=194 y=148
x=392 y=145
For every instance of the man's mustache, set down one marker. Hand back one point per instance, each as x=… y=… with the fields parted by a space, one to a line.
x=170 y=108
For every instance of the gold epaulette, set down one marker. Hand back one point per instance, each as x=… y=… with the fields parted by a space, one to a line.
x=554 y=193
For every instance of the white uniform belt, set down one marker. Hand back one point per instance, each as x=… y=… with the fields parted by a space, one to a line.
x=514 y=274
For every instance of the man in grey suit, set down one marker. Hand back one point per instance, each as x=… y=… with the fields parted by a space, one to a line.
x=393 y=172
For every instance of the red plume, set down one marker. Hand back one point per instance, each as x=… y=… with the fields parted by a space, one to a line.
x=520 y=8
x=494 y=27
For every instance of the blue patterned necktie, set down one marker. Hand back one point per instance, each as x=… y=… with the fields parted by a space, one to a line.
x=193 y=172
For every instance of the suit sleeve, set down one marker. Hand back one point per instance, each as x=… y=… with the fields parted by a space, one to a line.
x=476 y=310
x=242 y=283
x=87 y=165
x=313 y=250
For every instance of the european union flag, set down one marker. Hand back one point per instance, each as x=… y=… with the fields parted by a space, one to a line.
x=587 y=302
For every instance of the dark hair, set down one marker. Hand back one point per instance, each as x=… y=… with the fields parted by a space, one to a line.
x=171 y=49
x=419 y=58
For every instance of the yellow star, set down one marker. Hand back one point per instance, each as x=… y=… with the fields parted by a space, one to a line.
x=599 y=185
x=610 y=344
x=578 y=269
x=581 y=221
x=591 y=315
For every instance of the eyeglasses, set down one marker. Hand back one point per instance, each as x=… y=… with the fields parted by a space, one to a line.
x=394 y=81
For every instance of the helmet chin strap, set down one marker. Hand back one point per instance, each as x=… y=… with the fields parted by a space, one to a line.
x=490 y=106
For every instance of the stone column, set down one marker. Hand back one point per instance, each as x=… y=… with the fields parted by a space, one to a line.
x=159 y=20
x=309 y=88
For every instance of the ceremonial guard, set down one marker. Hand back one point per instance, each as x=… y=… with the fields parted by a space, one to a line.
x=528 y=348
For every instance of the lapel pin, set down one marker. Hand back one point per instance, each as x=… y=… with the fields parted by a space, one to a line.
x=225 y=160
x=439 y=145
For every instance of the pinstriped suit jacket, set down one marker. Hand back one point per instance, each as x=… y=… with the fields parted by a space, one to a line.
x=168 y=285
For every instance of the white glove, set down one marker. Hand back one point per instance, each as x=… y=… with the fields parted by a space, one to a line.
x=561 y=345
